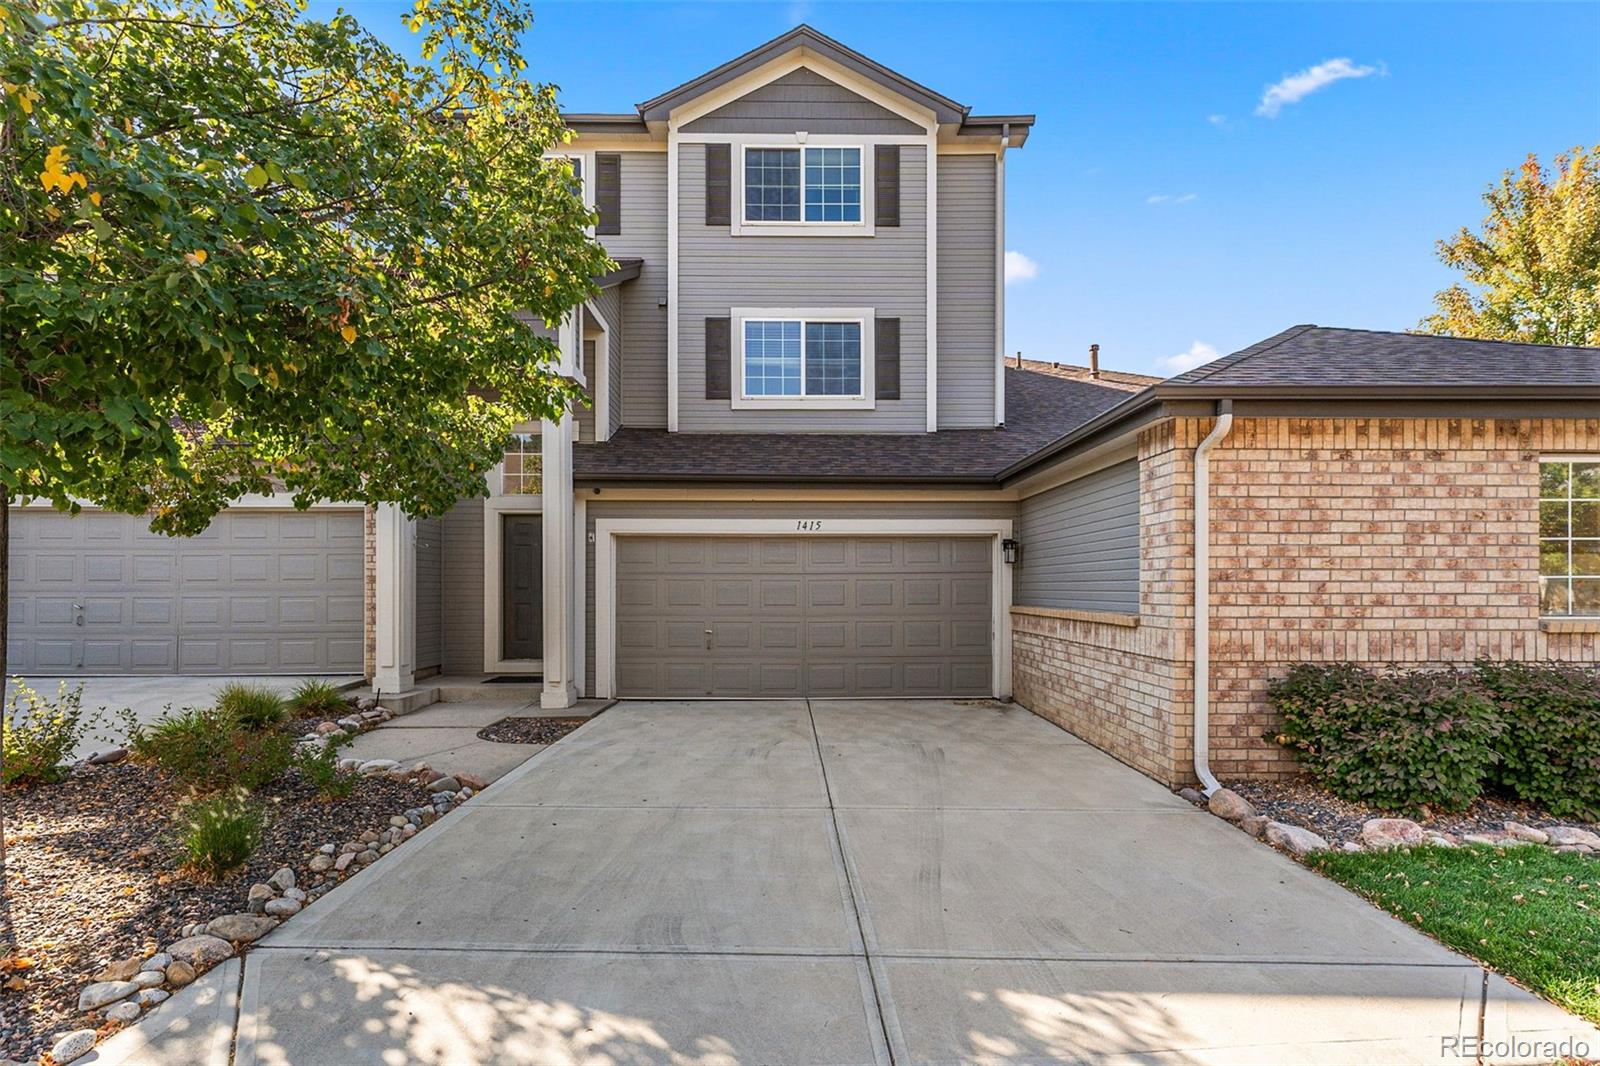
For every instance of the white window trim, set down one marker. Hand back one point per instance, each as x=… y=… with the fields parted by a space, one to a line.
x=585 y=180
x=1569 y=537
x=863 y=316
x=741 y=227
x=606 y=532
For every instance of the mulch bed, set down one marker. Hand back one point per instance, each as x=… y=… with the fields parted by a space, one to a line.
x=529 y=730
x=1302 y=802
x=91 y=876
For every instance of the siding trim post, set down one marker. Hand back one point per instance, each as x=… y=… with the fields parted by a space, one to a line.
x=395 y=590
x=1000 y=285
x=931 y=310
x=602 y=375
x=672 y=276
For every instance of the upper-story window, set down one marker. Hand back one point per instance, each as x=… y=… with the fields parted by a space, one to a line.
x=1569 y=537
x=802 y=185
x=802 y=357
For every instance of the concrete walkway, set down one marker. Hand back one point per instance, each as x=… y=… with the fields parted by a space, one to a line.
x=445 y=736
x=845 y=882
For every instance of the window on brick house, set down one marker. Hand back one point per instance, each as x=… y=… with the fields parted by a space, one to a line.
x=1569 y=537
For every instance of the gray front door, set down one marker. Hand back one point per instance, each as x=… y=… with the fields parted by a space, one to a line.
x=803 y=616
x=259 y=592
x=521 y=581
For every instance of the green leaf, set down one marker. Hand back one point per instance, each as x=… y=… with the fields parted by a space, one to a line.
x=256 y=176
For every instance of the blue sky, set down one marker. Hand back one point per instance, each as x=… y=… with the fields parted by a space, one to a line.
x=1169 y=205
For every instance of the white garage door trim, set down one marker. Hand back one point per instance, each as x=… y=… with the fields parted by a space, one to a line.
x=605 y=574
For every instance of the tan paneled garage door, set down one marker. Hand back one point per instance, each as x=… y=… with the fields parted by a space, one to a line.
x=259 y=592
x=803 y=616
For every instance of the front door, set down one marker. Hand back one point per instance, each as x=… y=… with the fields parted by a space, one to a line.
x=521 y=578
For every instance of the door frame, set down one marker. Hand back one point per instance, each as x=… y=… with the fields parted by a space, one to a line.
x=605 y=577
x=495 y=508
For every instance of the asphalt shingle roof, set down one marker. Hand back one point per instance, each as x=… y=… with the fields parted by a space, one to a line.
x=1322 y=357
x=1040 y=408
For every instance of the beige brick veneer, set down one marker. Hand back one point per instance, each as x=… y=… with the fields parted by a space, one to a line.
x=1375 y=541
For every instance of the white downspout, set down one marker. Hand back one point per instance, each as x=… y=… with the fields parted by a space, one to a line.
x=1202 y=597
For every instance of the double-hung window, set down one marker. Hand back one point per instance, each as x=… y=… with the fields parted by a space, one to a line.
x=810 y=358
x=802 y=185
x=1569 y=537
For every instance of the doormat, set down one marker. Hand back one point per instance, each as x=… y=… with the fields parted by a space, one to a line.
x=515 y=679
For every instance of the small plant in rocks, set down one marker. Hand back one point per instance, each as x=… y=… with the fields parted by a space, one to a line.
x=1397 y=741
x=318 y=763
x=252 y=706
x=209 y=750
x=314 y=696
x=1550 y=749
x=38 y=733
x=219 y=834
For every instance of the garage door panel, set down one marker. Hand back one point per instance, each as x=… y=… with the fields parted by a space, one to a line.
x=841 y=616
x=101 y=593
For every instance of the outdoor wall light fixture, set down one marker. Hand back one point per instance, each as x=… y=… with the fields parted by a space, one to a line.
x=1010 y=548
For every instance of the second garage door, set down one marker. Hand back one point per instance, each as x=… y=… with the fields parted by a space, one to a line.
x=803 y=616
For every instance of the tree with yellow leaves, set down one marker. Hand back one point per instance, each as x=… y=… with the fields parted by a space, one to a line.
x=1533 y=273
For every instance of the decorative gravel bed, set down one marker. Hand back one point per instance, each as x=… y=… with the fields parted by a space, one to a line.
x=529 y=730
x=92 y=877
x=1302 y=802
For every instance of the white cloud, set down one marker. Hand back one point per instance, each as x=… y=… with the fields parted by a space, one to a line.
x=1167 y=198
x=1217 y=120
x=1020 y=268
x=798 y=12
x=1296 y=87
x=1199 y=354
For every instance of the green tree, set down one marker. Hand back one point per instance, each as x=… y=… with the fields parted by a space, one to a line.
x=1534 y=271
x=241 y=250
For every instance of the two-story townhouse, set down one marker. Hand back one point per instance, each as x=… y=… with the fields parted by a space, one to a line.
x=807 y=470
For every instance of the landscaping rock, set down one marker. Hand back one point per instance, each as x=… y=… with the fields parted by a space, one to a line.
x=149 y=979
x=378 y=766
x=181 y=973
x=343 y=861
x=244 y=928
x=1349 y=845
x=1440 y=840
x=444 y=784
x=107 y=757
x=325 y=728
x=149 y=997
x=283 y=908
x=366 y=858
x=159 y=961
x=366 y=703
x=1293 y=838
x=121 y=970
x=102 y=993
x=1485 y=838
x=1226 y=803
x=123 y=1012
x=1528 y=833
x=75 y=1045
x=321 y=863
x=1254 y=824
x=397 y=820
x=283 y=880
x=327 y=849
x=478 y=784
x=296 y=894
x=200 y=952
x=259 y=895
x=1571 y=834
x=1390 y=832
x=1192 y=795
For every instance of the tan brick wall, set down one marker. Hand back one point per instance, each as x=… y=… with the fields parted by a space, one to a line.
x=1375 y=541
x=370 y=607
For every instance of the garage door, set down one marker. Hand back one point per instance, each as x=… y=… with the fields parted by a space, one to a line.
x=803 y=616
x=257 y=593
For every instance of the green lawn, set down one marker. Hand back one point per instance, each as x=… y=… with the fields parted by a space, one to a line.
x=1525 y=911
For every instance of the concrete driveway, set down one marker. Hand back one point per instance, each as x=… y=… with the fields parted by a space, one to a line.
x=850 y=882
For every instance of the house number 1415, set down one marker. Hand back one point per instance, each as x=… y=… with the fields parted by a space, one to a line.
x=808 y=525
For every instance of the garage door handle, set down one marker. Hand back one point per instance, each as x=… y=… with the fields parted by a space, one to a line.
x=708 y=640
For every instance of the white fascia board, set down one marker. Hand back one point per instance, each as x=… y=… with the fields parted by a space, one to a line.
x=789 y=62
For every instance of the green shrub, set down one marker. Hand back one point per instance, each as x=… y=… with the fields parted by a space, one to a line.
x=219 y=834
x=1550 y=749
x=1397 y=741
x=209 y=750
x=318 y=697
x=319 y=765
x=37 y=734
x=252 y=706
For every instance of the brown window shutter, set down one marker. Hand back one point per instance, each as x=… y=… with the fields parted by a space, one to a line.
x=719 y=359
x=886 y=184
x=886 y=358
x=719 y=184
x=608 y=192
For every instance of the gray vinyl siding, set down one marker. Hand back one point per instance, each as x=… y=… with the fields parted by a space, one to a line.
x=801 y=100
x=690 y=508
x=609 y=304
x=718 y=271
x=643 y=398
x=1080 y=544
x=966 y=291
x=430 y=599
x=461 y=584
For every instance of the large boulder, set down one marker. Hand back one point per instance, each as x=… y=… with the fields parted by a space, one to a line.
x=1226 y=803
x=73 y=1046
x=103 y=993
x=1391 y=833
x=199 y=952
x=1293 y=839
x=1528 y=833
x=242 y=928
x=1573 y=836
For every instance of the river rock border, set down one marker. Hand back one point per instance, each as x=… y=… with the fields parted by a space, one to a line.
x=1380 y=833
x=127 y=989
